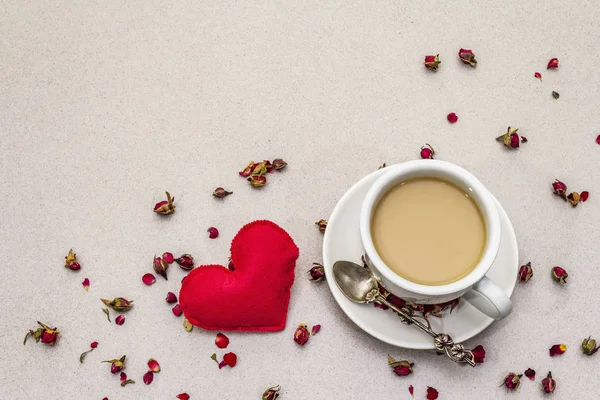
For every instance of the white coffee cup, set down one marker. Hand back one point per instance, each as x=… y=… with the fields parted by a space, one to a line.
x=476 y=288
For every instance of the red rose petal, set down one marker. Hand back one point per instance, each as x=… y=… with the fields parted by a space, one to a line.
x=432 y=394
x=553 y=63
x=530 y=373
x=171 y=298
x=315 y=329
x=230 y=359
x=221 y=341
x=183 y=396
x=452 y=118
x=123 y=377
x=524 y=139
x=479 y=354
x=168 y=257
x=148 y=279
x=153 y=365
x=86 y=284
x=411 y=390
x=557 y=350
x=538 y=75
x=598 y=139
x=177 y=310
x=583 y=196
x=94 y=345
x=148 y=377
x=120 y=320
x=213 y=232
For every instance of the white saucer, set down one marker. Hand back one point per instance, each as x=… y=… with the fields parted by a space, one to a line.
x=342 y=242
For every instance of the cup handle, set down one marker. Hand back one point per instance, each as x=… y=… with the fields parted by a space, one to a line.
x=488 y=298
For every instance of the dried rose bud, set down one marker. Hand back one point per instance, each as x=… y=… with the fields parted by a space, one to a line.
x=510 y=138
x=177 y=310
x=221 y=341
x=187 y=325
x=432 y=394
x=553 y=63
x=573 y=198
x=315 y=329
x=452 y=118
x=467 y=57
x=71 y=261
x=322 y=224
x=148 y=279
x=45 y=334
x=165 y=207
x=530 y=373
x=213 y=232
x=153 y=365
x=148 y=377
x=427 y=152
x=478 y=354
x=525 y=272
x=86 y=284
x=548 y=384
x=411 y=390
x=400 y=368
x=183 y=396
x=583 y=196
x=279 y=164
x=257 y=181
x=116 y=365
x=119 y=304
x=432 y=62
x=317 y=272
x=171 y=298
x=160 y=267
x=220 y=193
x=301 y=335
x=589 y=346
x=248 y=170
x=271 y=393
x=559 y=189
x=559 y=275
x=512 y=381
x=185 y=261
x=557 y=349
x=124 y=380
x=168 y=257
x=538 y=75
x=120 y=320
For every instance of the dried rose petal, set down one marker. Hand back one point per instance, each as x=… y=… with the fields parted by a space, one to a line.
x=116 y=365
x=119 y=304
x=120 y=320
x=553 y=63
x=583 y=196
x=573 y=198
x=301 y=335
x=589 y=346
x=183 y=396
x=221 y=341
x=220 y=193
x=86 y=284
x=530 y=373
x=411 y=390
x=557 y=349
x=525 y=272
x=153 y=365
x=168 y=257
x=248 y=170
x=598 y=139
x=160 y=266
x=538 y=75
x=230 y=265
x=317 y=272
x=400 y=368
x=382 y=306
x=548 y=384
x=432 y=62
x=93 y=345
x=432 y=394
x=186 y=262
x=322 y=224
x=213 y=232
x=257 y=181
x=512 y=381
x=271 y=393
x=524 y=139
x=148 y=377
x=478 y=354
x=452 y=118
x=559 y=275
x=230 y=359
x=279 y=164
x=148 y=279
x=559 y=189
x=467 y=57
x=427 y=152
x=177 y=310
x=165 y=207
x=171 y=298
x=124 y=380
x=315 y=329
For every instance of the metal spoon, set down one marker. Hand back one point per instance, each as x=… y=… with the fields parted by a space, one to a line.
x=360 y=286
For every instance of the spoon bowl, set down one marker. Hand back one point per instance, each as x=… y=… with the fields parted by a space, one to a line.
x=355 y=281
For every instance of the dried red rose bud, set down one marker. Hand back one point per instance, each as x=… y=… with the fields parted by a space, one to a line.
x=400 y=368
x=557 y=349
x=553 y=63
x=120 y=320
x=538 y=75
x=559 y=275
x=467 y=57
x=160 y=267
x=530 y=373
x=317 y=272
x=411 y=390
x=221 y=341
x=315 y=329
x=177 y=310
x=116 y=365
x=183 y=396
x=153 y=365
x=220 y=193
x=301 y=335
x=573 y=198
x=271 y=393
x=432 y=394
x=119 y=304
x=229 y=359
x=248 y=170
x=478 y=354
x=322 y=224
x=45 y=334
x=548 y=384
x=279 y=164
x=432 y=62
x=559 y=189
x=171 y=298
x=213 y=232
x=452 y=118
x=427 y=152
x=148 y=279
x=168 y=257
x=86 y=284
x=510 y=138
x=185 y=261
x=165 y=207
x=589 y=346
x=583 y=196
x=71 y=261
x=124 y=380
x=257 y=181
x=512 y=381
x=525 y=272
x=148 y=377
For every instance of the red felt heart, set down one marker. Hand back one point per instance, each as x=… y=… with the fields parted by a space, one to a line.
x=255 y=296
